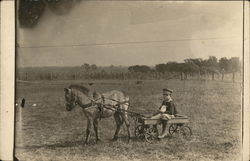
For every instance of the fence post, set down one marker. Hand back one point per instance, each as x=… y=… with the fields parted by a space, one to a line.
x=233 y=76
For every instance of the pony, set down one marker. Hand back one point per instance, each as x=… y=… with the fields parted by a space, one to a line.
x=97 y=106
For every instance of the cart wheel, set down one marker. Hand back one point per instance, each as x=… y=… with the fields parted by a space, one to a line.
x=173 y=128
x=185 y=132
x=139 y=131
x=150 y=134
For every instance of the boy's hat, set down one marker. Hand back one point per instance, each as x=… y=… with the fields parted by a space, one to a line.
x=165 y=90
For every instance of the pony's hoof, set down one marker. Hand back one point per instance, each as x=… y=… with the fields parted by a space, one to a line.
x=98 y=140
x=114 y=139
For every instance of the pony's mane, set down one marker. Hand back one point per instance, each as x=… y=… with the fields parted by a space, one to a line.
x=83 y=89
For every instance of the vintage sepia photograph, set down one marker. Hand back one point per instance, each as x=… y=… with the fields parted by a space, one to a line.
x=129 y=80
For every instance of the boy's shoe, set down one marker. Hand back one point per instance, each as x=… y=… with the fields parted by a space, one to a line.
x=161 y=136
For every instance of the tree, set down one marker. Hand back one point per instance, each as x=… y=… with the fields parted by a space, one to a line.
x=93 y=67
x=86 y=67
x=198 y=61
x=234 y=66
x=211 y=62
x=211 y=65
x=224 y=64
x=172 y=67
x=161 y=68
x=198 y=65
x=187 y=68
x=139 y=68
x=145 y=69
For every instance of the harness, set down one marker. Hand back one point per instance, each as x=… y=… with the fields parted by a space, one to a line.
x=116 y=108
x=100 y=105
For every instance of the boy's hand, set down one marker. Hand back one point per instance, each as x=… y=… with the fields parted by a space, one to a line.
x=160 y=111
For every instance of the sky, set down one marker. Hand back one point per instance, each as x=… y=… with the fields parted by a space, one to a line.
x=133 y=33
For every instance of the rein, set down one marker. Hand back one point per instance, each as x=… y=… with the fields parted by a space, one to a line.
x=111 y=107
x=120 y=103
x=94 y=101
x=106 y=106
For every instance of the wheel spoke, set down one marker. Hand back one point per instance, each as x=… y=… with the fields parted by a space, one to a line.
x=186 y=132
x=173 y=129
x=150 y=133
x=139 y=131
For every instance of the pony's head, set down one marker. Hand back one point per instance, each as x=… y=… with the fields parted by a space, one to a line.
x=77 y=95
x=70 y=99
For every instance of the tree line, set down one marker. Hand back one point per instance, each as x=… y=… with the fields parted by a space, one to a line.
x=210 y=68
x=191 y=67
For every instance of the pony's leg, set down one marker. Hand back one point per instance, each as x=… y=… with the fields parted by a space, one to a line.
x=88 y=131
x=125 y=118
x=95 y=123
x=119 y=122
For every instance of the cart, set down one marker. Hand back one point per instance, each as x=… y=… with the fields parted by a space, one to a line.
x=146 y=128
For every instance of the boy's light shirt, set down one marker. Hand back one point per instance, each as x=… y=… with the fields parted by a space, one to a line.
x=163 y=108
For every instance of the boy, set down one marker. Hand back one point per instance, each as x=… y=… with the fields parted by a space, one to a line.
x=166 y=111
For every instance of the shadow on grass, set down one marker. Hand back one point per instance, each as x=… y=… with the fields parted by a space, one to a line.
x=135 y=139
x=56 y=145
x=67 y=144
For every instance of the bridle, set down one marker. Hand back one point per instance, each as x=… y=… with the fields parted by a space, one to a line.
x=73 y=101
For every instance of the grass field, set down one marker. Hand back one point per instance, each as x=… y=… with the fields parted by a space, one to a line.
x=48 y=132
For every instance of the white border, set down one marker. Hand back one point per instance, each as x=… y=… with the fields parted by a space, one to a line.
x=246 y=112
x=7 y=67
x=7 y=79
